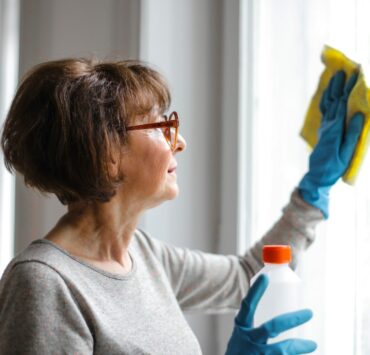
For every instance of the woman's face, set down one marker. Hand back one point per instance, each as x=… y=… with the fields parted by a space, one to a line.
x=149 y=164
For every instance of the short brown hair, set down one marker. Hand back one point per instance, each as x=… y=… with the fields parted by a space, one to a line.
x=67 y=115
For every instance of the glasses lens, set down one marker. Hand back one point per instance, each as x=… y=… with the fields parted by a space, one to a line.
x=168 y=134
x=173 y=131
x=166 y=131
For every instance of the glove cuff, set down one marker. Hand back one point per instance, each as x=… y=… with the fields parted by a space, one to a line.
x=317 y=196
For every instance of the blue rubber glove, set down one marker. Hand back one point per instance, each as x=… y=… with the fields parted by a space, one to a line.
x=253 y=341
x=336 y=144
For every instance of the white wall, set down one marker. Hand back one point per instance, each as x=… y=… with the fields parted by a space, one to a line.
x=52 y=29
x=183 y=39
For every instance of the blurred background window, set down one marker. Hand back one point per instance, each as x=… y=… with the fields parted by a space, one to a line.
x=288 y=37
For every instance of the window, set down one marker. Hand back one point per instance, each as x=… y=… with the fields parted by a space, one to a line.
x=287 y=40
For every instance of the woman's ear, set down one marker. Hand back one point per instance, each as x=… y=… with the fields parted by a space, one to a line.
x=113 y=169
x=113 y=164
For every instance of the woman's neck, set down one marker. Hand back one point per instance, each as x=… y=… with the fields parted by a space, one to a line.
x=99 y=233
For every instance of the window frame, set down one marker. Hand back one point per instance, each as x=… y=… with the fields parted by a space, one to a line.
x=9 y=58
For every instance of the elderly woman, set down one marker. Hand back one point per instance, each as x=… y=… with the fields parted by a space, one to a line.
x=96 y=135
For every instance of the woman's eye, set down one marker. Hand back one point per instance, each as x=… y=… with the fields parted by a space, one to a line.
x=154 y=131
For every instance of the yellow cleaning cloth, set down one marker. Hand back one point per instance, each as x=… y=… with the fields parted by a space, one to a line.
x=358 y=101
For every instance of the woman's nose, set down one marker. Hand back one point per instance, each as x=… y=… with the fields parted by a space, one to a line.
x=181 y=144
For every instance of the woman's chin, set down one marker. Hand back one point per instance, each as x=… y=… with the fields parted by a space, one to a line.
x=173 y=193
x=169 y=195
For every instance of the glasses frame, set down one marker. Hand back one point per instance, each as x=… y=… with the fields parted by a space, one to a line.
x=168 y=123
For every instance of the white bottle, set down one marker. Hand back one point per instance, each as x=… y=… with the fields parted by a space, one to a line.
x=284 y=291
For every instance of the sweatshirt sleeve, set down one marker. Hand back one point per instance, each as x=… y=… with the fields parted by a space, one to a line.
x=211 y=283
x=39 y=314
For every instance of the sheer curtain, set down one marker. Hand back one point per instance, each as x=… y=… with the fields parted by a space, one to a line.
x=288 y=36
x=9 y=43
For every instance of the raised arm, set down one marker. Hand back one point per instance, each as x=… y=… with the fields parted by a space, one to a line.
x=216 y=283
x=205 y=282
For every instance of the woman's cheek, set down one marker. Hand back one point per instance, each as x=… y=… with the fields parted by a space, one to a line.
x=155 y=134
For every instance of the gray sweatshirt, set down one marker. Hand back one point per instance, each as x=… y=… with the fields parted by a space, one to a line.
x=54 y=303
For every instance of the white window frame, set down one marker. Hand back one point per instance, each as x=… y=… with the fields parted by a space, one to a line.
x=9 y=54
x=236 y=217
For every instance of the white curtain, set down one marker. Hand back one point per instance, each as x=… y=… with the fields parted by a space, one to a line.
x=287 y=42
x=9 y=44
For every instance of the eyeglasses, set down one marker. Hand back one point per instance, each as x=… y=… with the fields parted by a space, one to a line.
x=170 y=128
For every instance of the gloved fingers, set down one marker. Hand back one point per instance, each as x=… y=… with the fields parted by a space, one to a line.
x=324 y=103
x=332 y=111
x=339 y=119
x=339 y=108
x=351 y=137
x=279 y=324
x=245 y=315
x=336 y=85
x=349 y=85
x=326 y=98
x=332 y=129
x=331 y=96
x=294 y=346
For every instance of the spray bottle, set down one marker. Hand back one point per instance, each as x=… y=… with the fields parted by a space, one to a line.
x=283 y=293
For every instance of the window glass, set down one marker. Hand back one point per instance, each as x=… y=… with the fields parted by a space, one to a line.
x=288 y=37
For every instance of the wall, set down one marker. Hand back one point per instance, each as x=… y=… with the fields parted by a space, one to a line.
x=184 y=38
x=52 y=29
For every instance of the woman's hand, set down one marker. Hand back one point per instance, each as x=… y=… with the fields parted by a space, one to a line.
x=336 y=144
x=253 y=341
